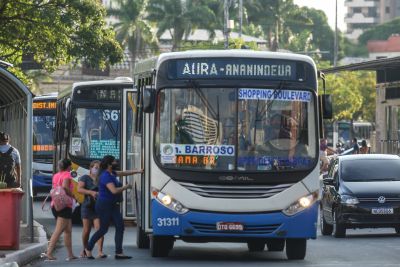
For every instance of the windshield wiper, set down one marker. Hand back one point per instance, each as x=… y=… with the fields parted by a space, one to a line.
x=276 y=91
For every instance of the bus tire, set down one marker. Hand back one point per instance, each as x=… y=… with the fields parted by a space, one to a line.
x=397 y=229
x=276 y=244
x=160 y=246
x=256 y=245
x=142 y=239
x=296 y=248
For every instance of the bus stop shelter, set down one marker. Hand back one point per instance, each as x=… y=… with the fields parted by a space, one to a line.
x=387 y=111
x=16 y=120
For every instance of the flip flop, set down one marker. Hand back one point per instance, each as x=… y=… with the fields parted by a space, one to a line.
x=71 y=258
x=47 y=258
x=102 y=256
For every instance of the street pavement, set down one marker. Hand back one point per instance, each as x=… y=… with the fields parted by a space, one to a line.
x=367 y=248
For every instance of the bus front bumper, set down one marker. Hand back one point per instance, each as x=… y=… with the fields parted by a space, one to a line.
x=202 y=224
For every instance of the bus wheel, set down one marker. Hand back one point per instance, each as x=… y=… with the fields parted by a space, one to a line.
x=296 y=248
x=256 y=245
x=142 y=240
x=397 y=229
x=276 y=244
x=161 y=245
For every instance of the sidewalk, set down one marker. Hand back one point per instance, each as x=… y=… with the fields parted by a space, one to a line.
x=27 y=251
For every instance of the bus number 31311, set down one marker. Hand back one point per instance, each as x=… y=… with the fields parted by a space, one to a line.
x=168 y=221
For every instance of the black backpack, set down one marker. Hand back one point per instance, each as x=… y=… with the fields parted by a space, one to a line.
x=7 y=168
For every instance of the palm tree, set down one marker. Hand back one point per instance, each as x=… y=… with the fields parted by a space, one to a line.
x=132 y=30
x=181 y=17
x=277 y=17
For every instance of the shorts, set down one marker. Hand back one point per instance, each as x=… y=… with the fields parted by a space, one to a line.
x=87 y=213
x=65 y=213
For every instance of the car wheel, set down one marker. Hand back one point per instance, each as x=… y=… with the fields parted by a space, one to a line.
x=397 y=229
x=296 y=248
x=326 y=229
x=339 y=230
x=256 y=245
x=276 y=244
x=160 y=246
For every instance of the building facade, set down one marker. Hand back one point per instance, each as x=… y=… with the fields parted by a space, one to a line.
x=364 y=14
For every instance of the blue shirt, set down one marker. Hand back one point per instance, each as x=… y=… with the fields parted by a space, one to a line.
x=106 y=178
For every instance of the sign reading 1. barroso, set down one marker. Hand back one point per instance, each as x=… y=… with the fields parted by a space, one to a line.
x=232 y=68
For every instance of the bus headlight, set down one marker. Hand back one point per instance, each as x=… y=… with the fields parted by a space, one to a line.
x=301 y=204
x=170 y=202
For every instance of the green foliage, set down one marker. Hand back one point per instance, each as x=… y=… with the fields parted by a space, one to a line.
x=351 y=49
x=133 y=31
x=56 y=32
x=181 y=18
x=353 y=95
x=380 y=32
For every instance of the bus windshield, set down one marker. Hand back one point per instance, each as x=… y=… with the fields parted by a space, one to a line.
x=95 y=133
x=43 y=144
x=236 y=129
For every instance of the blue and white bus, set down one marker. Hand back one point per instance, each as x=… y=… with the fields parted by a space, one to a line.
x=44 y=115
x=88 y=127
x=229 y=143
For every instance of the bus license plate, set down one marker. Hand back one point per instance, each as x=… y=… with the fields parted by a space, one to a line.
x=382 y=211
x=229 y=226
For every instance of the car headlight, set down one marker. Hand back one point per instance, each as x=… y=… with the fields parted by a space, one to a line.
x=169 y=202
x=349 y=200
x=301 y=204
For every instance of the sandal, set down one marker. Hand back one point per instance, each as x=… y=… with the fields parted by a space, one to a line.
x=88 y=256
x=102 y=256
x=47 y=257
x=71 y=258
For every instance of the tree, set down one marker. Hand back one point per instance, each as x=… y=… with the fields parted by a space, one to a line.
x=56 y=32
x=133 y=31
x=380 y=32
x=277 y=18
x=353 y=95
x=181 y=17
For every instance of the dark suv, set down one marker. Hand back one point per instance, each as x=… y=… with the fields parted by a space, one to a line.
x=361 y=191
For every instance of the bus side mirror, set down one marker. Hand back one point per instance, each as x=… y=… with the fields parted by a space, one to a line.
x=326 y=104
x=149 y=100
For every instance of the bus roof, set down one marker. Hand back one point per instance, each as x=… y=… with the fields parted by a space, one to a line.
x=154 y=63
x=118 y=80
x=46 y=96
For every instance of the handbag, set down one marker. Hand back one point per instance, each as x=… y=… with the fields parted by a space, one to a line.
x=60 y=198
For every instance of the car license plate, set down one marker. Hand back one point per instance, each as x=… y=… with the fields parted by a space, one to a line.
x=382 y=211
x=229 y=226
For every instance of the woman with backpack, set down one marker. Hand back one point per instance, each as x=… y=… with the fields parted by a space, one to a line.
x=62 y=182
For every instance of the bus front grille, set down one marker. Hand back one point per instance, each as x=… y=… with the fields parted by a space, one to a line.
x=235 y=191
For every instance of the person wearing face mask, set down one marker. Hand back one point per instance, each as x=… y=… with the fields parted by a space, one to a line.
x=108 y=205
x=88 y=186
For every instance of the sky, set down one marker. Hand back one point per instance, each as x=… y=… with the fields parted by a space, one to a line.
x=328 y=6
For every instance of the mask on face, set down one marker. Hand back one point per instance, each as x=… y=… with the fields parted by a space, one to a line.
x=115 y=166
x=95 y=171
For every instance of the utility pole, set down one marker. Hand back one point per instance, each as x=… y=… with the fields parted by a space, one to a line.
x=240 y=17
x=226 y=20
x=335 y=44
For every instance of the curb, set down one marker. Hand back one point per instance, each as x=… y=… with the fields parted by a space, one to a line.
x=29 y=253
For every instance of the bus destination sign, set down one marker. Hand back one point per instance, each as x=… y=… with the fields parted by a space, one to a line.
x=44 y=105
x=232 y=68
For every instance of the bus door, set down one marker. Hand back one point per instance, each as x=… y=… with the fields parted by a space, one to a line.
x=131 y=144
